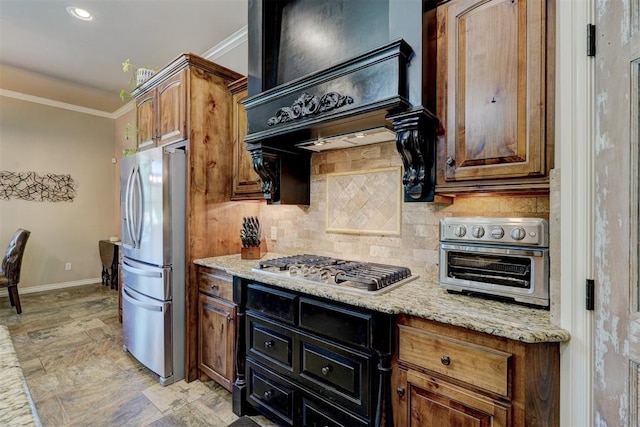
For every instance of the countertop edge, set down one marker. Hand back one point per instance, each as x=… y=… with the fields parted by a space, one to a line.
x=420 y=298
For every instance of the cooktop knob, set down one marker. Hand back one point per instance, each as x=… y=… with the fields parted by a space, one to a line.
x=518 y=233
x=497 y=232
x=460 y=231
x=477 y=231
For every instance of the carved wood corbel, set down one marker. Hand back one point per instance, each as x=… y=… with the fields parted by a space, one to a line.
x=415 y=142
x=266 y=166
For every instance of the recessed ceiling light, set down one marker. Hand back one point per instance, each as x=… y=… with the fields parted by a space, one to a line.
x=79 y=13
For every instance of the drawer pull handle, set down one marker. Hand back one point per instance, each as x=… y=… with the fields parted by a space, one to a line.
x=214 y=287
x=268 y=344
x=326 y=370
x=445 y=360
x=268 y=394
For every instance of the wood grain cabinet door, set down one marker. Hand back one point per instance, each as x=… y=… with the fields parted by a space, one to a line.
x=216 y=339
x=492 y=89
x=145 y=115
x=426 y=401
x=172 y=111
x=246 y=182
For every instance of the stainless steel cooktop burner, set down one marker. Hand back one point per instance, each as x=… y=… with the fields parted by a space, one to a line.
x=348 y=275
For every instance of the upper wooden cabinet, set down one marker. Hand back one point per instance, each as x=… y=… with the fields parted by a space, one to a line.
x=162 y=113
x=495 y=95
x=246 y=182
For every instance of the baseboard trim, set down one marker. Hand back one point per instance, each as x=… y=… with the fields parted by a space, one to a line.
x=54 y=286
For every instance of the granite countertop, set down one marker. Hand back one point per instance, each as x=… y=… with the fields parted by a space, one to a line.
x=421 y=298
x=16 y=404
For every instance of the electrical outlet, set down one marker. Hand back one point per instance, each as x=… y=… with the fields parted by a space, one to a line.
x=67 y=266
x=274 y=233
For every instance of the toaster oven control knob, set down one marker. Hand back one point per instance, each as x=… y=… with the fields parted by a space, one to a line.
x=460 y=231
x=518 y=233
x=497 y=232
x=477 y=231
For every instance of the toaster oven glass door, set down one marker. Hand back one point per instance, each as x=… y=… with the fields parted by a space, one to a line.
x=518 y=273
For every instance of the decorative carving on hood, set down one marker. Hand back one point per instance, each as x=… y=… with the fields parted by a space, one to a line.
x=307 y=105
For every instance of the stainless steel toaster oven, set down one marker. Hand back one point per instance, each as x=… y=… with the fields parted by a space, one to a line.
x=507 y=258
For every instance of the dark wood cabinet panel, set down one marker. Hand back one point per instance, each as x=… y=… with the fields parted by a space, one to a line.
x=216 y=339
x=493 y=92
x=328 y=379
x=450 y=376
x=145 y=116
x=162 y=113
x=246 y=182
x=435 y=403
x=172 y=112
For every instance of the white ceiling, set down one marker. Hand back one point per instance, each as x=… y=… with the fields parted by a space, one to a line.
x=41 y=45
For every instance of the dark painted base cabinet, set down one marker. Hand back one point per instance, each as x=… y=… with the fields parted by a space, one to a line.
x=303 y=360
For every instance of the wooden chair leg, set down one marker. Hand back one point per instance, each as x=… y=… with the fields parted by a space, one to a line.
x=13 y=304
x=13 y=295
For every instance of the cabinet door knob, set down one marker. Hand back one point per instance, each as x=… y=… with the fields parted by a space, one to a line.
x=400 y=391
x=327 y=369
x=268 y=344
x=268 y=394
x=229 y=319
x=445 y=360
x=450 y=161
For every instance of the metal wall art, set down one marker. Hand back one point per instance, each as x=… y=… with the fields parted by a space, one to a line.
x=39 y=188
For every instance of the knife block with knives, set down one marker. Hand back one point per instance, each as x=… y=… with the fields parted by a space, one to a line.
x=253 y=246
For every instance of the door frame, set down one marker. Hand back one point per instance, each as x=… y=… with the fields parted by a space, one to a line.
x=575 y=90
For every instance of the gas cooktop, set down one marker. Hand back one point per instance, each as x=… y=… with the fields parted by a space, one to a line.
x=366 y=277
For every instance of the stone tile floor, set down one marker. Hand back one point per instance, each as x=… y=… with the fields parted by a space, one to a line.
x=69 y=343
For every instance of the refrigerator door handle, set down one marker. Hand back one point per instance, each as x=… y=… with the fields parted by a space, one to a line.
x=127 y=210
x=131 y=300
x=140 y=271
x=139 y=214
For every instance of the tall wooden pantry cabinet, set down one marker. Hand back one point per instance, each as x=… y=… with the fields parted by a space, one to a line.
x=189 y=100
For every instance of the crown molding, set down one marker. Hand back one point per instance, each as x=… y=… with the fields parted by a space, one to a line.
x=56 y=104
x=228 y=44
x=225 y=46
x=123 y=110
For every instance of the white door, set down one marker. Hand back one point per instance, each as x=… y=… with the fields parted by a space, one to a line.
x=616 y=215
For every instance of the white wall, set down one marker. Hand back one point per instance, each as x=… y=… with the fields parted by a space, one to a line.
x=44 y=139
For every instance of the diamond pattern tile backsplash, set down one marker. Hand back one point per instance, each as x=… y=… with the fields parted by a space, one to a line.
x=364 y=202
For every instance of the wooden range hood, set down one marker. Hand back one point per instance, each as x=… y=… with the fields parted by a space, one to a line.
x=323 y=68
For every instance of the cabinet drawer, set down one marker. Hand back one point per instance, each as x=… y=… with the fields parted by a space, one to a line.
x=316 y=415
x=269 y=342
x=272 y=302
x=343 y=324
x=215 y=283
x=271 y=392
x=336 y=374
x=479 y=366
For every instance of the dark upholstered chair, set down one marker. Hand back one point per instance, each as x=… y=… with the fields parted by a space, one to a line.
x=11 y=263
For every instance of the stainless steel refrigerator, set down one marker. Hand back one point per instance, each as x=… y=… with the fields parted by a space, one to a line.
x=153 y=263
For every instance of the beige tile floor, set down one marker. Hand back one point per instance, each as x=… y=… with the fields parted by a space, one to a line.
x=69 y=343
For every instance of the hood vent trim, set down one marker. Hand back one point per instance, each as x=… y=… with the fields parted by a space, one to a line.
x=357 y=94
x=308 y=105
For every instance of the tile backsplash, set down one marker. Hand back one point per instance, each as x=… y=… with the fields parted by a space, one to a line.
x=365 y=202
x=302 y=229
